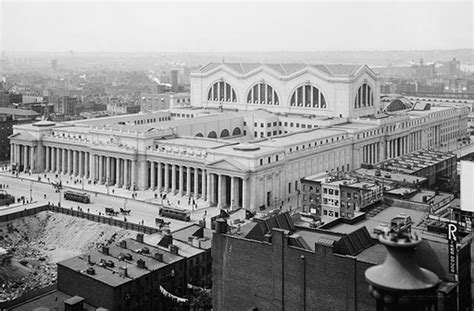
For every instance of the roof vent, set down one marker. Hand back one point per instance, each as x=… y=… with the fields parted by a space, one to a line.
x=123 y=244
x=159 y=257
x=90 y=271
x=123 y=272
x=141 y=263
x=174 y=249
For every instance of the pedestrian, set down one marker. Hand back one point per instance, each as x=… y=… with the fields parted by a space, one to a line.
x=113 y=191
x=194 y=202
x=88 y=210
x=44 y=195
x=179 y=202
x=189 y=200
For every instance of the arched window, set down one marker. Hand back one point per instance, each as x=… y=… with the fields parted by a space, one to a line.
x=364 y=96
x=212 y=134
x=236 y=132
x=308 y=96
x=199 y=135
x=225 y=133
x=262 y=93
x=221 y=92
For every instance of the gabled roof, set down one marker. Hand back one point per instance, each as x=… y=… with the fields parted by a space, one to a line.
x=228 y=165
x=25 y=136
x=286 y=69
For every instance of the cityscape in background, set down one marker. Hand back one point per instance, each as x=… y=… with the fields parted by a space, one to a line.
x=297 y=180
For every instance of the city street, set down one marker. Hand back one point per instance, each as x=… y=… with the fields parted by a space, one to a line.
x=142 y=209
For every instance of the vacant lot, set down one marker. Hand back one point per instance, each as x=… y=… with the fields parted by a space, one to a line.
x=36 y=243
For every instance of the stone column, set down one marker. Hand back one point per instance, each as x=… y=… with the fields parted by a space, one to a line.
x=32 y=158
x=69 y=161
x=64 y=161
x=101 y=169
x=74 y=162
x=203 y=185
x=209 y=188
x=81 y=164
x=25 y=157
x=160 y=176
x=126 y=182
x=107 y=171
x=245 y=195
x=12 y=154
x=53 y=160
x=152 y=175
x=134 y=174
x=142 y=175
x=220 y=192
x=196 y=183
x=233 y=201
x=173 y=179
x=58 y=160
x=86 y=165
x=181 y=180
x=167 y=177
x=47 y=166
x=117 y=173
x=92 y=167
x=188 y=181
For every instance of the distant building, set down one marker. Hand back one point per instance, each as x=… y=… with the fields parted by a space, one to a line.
x=252 y=132
x=174 y=80
x=154 y=102
x=8 y=118
x=331 y=197
x=65 y=105
x=54 y=64
x=433 y=165
x=450 y=68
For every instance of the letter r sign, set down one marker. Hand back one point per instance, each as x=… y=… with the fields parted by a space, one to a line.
x=452 y=232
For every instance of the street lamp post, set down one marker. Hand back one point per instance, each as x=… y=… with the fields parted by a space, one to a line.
x=31 y=192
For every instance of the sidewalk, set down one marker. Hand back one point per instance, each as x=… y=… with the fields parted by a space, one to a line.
x=148 y=196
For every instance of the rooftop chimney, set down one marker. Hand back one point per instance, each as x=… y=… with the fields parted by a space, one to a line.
x=221 y=226
x=174 y=249
x=123 y=272
x=123 y=244
x=105 y=250
x=159 y=257
x=141 y=263
x=140 y=237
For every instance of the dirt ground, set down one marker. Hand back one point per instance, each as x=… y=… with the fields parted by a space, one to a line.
x=37 y=243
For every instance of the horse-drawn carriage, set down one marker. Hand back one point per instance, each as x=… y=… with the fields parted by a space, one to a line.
x=110 y=211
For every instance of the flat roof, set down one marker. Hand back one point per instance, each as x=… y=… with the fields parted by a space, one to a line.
x=384 y=216
x=199 y=142
x=393 y=176
x=18 y=112
x=51 y=301
x=300 y=137
x=111 y=276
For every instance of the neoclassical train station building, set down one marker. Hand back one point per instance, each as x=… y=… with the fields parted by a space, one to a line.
x=251 y=133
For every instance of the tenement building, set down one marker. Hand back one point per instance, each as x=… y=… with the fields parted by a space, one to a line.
x=251 y=133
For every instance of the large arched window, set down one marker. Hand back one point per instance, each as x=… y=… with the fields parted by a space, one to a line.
x=364 y=96
x=221 y=92
x=308 y=96
x=262 y=93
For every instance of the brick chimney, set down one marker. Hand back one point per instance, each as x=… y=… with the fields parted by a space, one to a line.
x=140 y=237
